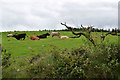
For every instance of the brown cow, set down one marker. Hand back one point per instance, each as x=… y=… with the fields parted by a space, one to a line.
x=34 y=38
x=64 y=37
x=55 y=34
x=94 y=36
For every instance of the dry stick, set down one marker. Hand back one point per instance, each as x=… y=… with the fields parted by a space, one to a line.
x=75 y=36
x=89 y=30
x=87 y=36
x=66 y=26
x=6 y=65
x=103 y=37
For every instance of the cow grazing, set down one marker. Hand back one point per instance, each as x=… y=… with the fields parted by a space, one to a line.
x=19 y=36
x=43 y=35
x=10 y=35
x=34 y=38
x=64 y=37
x=55 y=34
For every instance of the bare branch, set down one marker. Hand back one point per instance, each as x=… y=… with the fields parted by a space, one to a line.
x=75 y=36
x=103 y=37
x=84 y=28
x=87 y=30
x=70 y=28
x=87 y=36
x=90 y=29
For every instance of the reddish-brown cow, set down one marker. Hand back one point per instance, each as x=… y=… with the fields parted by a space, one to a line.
x=94 y=36
x=34 y=38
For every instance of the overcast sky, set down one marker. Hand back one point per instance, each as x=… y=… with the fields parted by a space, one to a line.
x=48 y=14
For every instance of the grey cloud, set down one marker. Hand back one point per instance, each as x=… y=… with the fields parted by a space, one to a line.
x=48 y=14
x=91 y=15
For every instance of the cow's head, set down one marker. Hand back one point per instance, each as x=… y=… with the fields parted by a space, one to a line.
x=47 y=34
x=10 y=35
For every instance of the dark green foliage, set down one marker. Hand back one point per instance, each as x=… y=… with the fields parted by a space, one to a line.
x=5 y=58
x=85 y=62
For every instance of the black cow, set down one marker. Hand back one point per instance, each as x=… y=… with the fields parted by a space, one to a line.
x=20 y=36
x=43 y=35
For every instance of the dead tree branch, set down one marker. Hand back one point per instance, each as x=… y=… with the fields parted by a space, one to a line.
x=68 y=27
x=86 y=35
x=87 y=30
x=103 y=37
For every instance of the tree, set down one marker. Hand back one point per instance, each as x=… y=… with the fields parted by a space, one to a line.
x=87 y=35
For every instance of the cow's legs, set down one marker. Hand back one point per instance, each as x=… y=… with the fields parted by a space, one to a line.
x=24 y=38
x=59 y=37
x=52 y=36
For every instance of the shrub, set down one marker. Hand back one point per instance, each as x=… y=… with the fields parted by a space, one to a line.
x=5 y=58
x=102 y=61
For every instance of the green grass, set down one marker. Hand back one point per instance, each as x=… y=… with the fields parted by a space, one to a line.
x=53 y=52
x=28 y=47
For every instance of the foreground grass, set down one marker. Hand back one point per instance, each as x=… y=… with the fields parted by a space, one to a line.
x=84 y=62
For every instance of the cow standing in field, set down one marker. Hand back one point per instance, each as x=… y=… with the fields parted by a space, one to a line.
x=55 y=34
x=43 y=35
x=34 y=38
x=18 y=37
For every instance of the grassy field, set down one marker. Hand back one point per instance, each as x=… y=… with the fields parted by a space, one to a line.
x=23 y=48
x=60 y=58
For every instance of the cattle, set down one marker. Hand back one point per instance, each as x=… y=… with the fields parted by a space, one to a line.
x=10 y=35
x=55 y=34
x=34 y=38
x=43 y=35
x=19 y=36
x=64 y=37
x=94 y=36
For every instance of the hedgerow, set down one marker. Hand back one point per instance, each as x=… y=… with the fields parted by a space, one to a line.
x=86 y=62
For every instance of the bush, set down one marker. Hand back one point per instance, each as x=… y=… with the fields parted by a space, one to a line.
x=84 y=63
x=102 y=61
x=5 y=58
